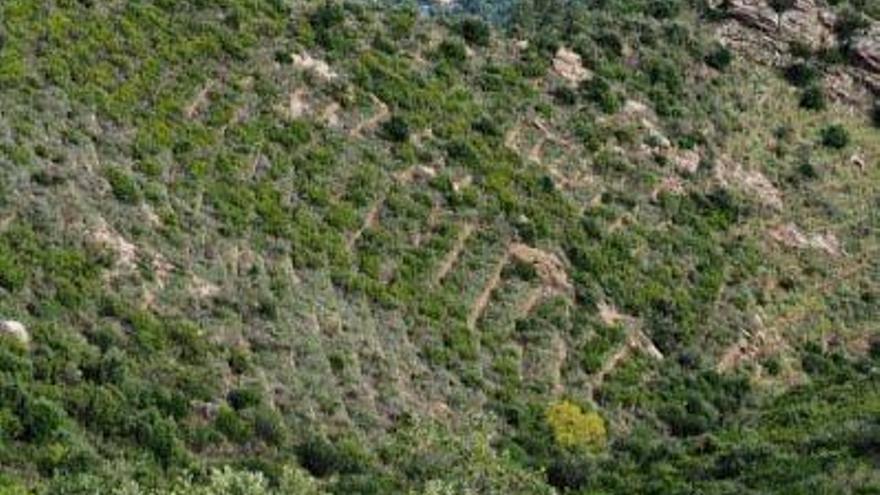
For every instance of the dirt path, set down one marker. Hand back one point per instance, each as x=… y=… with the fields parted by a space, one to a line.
x=370 y=221
x=636 y=340
x=200 y=100
x=486 y=294
x=452 y=256
x=525 y=307
x=373 y=121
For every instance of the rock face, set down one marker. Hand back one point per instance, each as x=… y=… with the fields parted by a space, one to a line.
x=867 y=50
x=16 y=330
x=757 y=31
x=754 y=29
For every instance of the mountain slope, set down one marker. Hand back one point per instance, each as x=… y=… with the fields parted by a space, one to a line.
x=360 y=250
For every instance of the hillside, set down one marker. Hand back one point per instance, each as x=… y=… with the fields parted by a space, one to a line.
x=606 y=246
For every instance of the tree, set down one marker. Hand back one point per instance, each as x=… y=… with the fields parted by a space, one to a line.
x=781 y=7
x=875 y=114
x=575 y=429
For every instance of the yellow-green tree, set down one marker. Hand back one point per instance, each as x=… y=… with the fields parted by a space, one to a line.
x=575 y=429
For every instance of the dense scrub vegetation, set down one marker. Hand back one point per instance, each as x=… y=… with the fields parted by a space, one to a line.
x=334 y=247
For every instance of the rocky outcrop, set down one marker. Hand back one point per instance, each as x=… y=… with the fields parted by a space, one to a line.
x=756 y=31
x=568 y=65
x=867 y=50
x=807 y=22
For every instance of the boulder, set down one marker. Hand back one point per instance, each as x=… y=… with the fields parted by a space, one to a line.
x=16 y=330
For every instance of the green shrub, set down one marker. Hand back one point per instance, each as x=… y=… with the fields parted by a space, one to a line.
x=41 y=419
x=849 y=22
x=159 y=435
x=835 y=136
x=323 y=458
x=475 y=32
x=395 y=129
x=123 y=185
x=564 y=95
x=781 y=6
x=569 y=472
x=243 y=398
x=452 y=52
x=269 y=426
x=801 y=74
x=575 y=429
x=12 y=273
x=719 y=58
x=233 y=426
x=599 y=91
x=813 y=98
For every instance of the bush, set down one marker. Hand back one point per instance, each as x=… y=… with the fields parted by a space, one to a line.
x=875 y=114
x=395 y=129
x=123 y=185
x=452 y=52
x=813 y=98
x=780 y=6
x=848 y=23
x=719 y=58
x=599 y=91
x=475 y=32
x=801 y=74
x=232 y=425
x=564 y=95
x=242 y=398
x=569 y=473
x=322 y=458
x=575 y=429
x=41 y=419
x=835 y=136
x=159 y=435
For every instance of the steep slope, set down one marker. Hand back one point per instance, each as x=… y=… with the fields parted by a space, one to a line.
x=362 y=250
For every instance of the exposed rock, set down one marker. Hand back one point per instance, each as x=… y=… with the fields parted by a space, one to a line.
x=202 y=289
x=568 y=65
x=461 y=183
x=208 y=411
x=687 y=161
x=807 y=22
x=199 y=102
x=791 y=236
x=866 y=50
x=750 y=182
x=610 y=315
x=15 y=329
x=126 y=252
x=669 y=185
x=858 y=161
x=297 y=106
x=319 y=67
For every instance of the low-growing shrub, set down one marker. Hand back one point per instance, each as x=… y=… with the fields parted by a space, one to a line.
x=835 y=136
x=801 y=74
x=719 y=58
x=813 y=98
x=475 y=32
x=395 y=129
